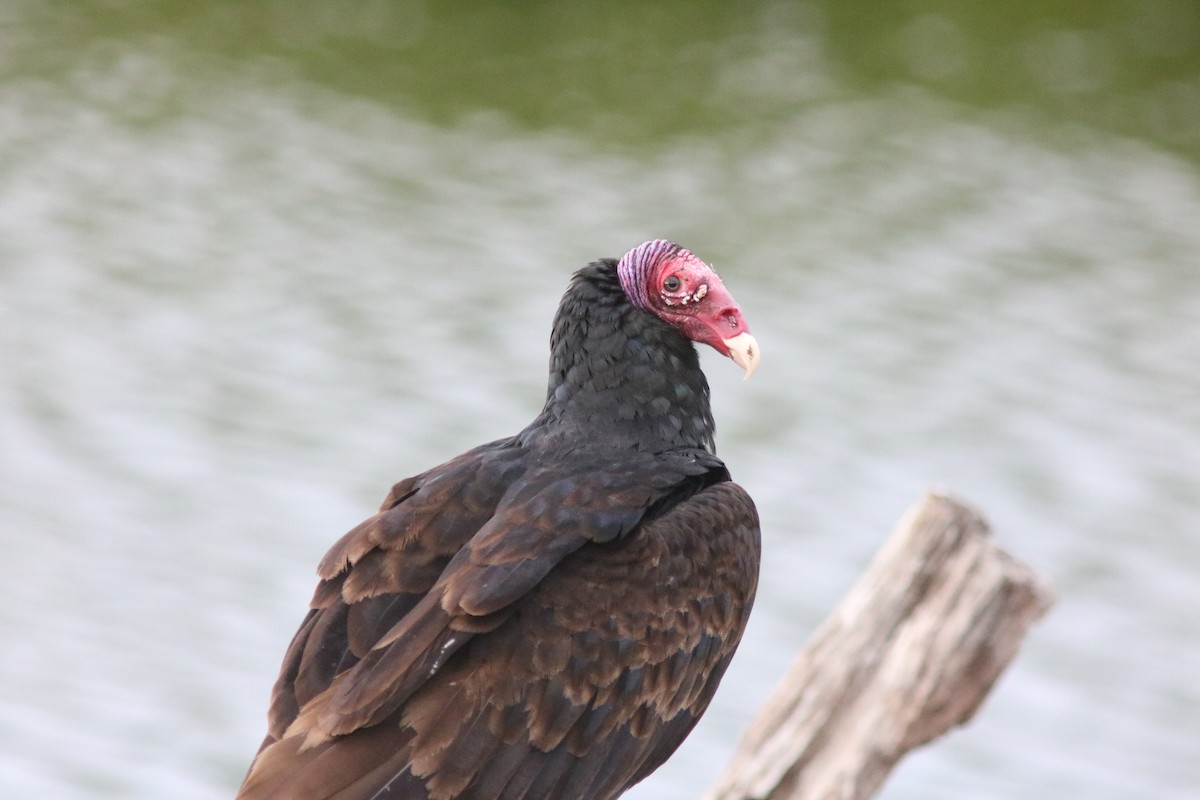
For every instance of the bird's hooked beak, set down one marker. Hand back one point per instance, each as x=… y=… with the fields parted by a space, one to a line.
x=718 y=316
x=743 y=349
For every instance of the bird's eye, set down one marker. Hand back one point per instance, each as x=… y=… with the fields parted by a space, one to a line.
x=672 y=283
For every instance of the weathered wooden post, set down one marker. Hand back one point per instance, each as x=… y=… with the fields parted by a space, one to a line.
x=912 y=651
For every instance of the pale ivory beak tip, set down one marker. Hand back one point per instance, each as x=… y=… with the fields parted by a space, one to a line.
x=743 y=349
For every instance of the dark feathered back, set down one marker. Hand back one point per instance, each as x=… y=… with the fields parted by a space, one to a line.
x=544 y=616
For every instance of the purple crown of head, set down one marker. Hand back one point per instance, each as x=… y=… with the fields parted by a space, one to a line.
x=633 y=266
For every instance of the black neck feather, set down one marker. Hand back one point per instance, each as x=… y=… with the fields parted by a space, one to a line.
x=620 y=378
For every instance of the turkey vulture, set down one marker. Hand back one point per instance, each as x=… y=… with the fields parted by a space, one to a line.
x=547 y=615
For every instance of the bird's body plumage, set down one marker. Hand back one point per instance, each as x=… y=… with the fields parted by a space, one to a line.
x=545 y=616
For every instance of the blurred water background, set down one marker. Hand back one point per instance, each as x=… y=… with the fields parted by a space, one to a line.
x=260 y=260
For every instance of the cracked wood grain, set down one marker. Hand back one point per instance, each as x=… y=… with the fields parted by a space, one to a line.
x=911 y=652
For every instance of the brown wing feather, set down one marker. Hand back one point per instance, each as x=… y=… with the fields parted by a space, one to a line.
x=649 y=625
x=403 y=549
x=601 y=648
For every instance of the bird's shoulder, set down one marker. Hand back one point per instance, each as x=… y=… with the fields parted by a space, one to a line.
x=445 y=558
x=569 y=614
x=604 y=666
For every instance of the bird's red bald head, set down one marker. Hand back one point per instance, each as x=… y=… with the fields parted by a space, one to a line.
x=670 y=282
